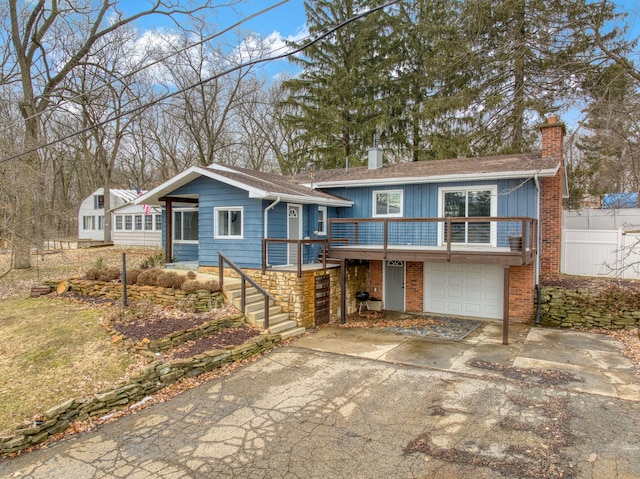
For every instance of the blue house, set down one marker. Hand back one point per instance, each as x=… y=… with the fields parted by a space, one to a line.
x=464 y=236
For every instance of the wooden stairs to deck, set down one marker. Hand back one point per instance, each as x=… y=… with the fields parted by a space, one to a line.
x=280 y=322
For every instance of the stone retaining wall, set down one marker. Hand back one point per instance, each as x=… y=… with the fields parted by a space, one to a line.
x=296 y=295
x=580 y=308
x=150 y=379
x=148 y=348
x=200 y=301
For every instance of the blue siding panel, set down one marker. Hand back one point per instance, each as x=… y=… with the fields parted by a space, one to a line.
x=516 y=197
x=246 y=252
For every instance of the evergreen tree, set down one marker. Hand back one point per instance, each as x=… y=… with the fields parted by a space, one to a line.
x=425 y=89
x=610 y=139
x=334 y=103
x=528 y=56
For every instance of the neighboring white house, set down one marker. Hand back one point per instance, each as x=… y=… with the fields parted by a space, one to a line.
x=130 y=225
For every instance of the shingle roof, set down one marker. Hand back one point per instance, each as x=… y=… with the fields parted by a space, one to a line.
x=270 y=182
x=435 y=170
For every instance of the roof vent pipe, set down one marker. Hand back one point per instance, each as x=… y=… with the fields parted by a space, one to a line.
x=375 y=157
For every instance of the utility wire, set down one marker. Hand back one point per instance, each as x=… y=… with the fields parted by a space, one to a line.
x=159 y=60
x=211 y=78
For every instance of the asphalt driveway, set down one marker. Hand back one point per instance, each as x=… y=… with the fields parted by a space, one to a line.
x=300 y=412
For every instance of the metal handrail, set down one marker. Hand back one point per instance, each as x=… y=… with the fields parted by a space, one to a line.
x=243 y=290
x=298 y=242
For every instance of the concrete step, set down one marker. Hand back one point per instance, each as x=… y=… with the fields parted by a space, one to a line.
x=254 y=315
x=291 y=333
x=237 y=293
x=282 y=326
x=274 y=320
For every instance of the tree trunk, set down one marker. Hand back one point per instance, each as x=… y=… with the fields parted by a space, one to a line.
x=23 y=230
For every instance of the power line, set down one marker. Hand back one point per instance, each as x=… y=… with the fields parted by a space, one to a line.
x=157 y=61
x=211 y=78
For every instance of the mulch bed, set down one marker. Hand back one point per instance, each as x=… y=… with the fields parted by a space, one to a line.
x=158 y=327
x=224 y=339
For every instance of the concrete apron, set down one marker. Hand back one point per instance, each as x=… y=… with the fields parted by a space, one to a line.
x=584 y=362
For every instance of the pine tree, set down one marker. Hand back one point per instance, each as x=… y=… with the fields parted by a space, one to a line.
x=528 y=57
x=336 y=110
x=610 y=139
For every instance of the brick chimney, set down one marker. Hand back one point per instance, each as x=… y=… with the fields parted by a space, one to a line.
x=552 y=131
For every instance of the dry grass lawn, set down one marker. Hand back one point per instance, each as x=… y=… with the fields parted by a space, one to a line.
x=54 y=349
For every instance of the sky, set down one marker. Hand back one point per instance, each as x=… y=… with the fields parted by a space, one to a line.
x=287 y=22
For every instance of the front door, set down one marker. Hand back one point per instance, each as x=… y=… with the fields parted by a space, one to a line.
x=394 y=285
x=294 y=231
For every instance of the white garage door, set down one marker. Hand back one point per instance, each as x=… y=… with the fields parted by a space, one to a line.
x=463 y=289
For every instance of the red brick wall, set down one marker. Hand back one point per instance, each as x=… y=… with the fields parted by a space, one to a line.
x=551 y=199
x=414 y=287
x=521 y=293
x=375 y=279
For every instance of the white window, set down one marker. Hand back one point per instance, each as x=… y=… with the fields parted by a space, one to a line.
x=101 y=223
x=89 y=222
x=128 y=222
x=322 y=221
x=387 y=203
x=185 y=226
x=119 y=222
x=469 y=202
x=228 y=223
x=158 y=221
x=98 y=202
x=138 y=222
x=148 y=222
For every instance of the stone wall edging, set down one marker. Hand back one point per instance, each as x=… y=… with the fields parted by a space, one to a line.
x=576 y=308
x=149 y=380
x=200 y=301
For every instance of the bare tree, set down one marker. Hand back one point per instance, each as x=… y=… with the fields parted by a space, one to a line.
x=49 y=40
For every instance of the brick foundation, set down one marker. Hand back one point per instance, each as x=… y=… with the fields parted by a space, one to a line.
x=375 y=279
x=521 y=293
x=414 y=287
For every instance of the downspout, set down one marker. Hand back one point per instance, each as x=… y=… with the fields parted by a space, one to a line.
x=537 y=264
x=266 y=216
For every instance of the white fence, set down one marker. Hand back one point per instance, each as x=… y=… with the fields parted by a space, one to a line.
x=613 y=253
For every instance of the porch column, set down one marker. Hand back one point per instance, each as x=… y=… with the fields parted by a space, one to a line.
x=168 y=238
x=505 y=307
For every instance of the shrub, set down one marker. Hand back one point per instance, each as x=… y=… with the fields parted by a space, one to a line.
x=170 y=280
x=109 y=274
x=132 y=276
x=212 y=286
x=93 y=274
x=154 y=261
x=148 y=277
x=191 y=275
x=103 y=274
x=191 y=286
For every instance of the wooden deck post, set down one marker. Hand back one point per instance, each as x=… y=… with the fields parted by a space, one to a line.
x=343 y=291
x=505 y=307
x=168 y=243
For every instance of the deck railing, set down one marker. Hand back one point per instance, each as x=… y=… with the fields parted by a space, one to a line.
x=453 y=234
x=291 y=253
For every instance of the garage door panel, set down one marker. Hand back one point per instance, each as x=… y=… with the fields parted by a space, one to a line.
x=463 y=289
